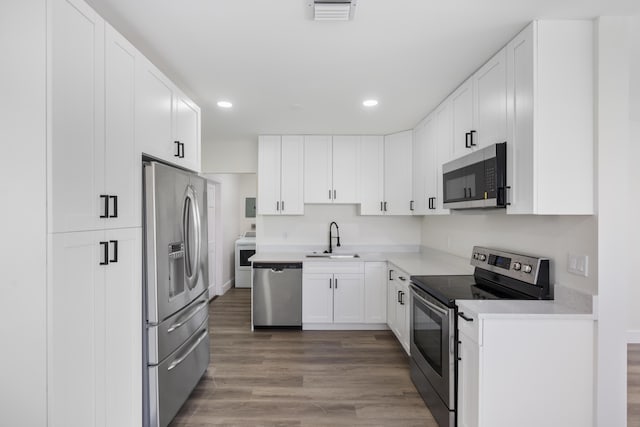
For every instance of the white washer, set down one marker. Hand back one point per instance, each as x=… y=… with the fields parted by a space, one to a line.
x=245 y=248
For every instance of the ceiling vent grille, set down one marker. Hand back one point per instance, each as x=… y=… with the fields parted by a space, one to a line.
x=333 y=10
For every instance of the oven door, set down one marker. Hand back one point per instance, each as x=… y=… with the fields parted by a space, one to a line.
x=432 y=343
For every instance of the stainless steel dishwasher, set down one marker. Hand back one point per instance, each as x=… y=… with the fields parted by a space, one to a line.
x=277 y=294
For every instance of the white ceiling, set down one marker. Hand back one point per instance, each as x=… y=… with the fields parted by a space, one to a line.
x=285 y=73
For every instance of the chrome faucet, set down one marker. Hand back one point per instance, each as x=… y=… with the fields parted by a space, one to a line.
x=331 y=236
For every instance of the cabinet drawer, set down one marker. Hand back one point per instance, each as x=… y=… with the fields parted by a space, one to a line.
x=470 y=328
x=334 y=267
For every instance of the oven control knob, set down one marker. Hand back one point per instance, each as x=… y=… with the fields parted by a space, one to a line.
x=526 y=269
x=482 y=257
x=475 y=255
x=517 y=266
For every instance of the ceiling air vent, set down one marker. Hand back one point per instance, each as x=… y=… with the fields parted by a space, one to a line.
x=333 y=10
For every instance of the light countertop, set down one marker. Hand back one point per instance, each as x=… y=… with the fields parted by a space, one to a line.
x=494 y=309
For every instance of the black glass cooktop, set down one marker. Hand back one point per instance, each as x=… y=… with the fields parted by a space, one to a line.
x=447 y=289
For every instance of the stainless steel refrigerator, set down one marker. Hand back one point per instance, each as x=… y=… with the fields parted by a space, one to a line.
x=176 y=286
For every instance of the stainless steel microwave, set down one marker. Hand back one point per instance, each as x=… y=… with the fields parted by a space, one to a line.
x=477 y=180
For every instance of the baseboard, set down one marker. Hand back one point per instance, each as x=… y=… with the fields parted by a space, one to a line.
x=344 y=326
x=633 y=336
x=228 y=285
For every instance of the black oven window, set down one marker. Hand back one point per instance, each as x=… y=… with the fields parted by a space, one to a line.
x=427 y=335
x=245 y=254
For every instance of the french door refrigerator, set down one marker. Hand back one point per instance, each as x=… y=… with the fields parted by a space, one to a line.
x=176 y=285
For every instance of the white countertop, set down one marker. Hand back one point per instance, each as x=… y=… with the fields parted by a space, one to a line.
x=494 y=309
x=427 y=262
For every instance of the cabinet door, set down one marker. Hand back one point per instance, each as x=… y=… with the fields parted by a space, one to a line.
x=397 y=173
x=77 y=117
x=468 y=382
x=420 y=169
x=122 y=301
x=375 y=292
x=392 y=301
x=346 y=151
x=292 y=176
x=520 y=57
x=462 y=112
x=187 y=131
x=403 y=312
x=318 y=186
x=76 y=330
x=400 y=328
x=268 y=202
x=317 y=298
x=122 y=165
x=348 y=298
x=490 y=98
x=154 y=112
x=371 y=175
x=444 y=145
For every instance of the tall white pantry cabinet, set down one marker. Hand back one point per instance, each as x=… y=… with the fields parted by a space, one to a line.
x=73 y=285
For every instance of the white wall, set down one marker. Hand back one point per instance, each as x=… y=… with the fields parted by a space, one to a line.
x=23 y=275
x=552 y=236
x=312 y=229
x=230 y=156
x=634 y=113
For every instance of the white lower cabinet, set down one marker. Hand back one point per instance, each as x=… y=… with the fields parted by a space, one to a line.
x=398 y=311
x=506 y=362
x=339 y=295
x=375 y=292
x=95 y=342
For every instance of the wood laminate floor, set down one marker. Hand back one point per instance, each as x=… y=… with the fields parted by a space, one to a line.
x=296 y=378
x=633 y=385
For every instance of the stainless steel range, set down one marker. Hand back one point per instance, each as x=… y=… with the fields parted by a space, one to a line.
x=434 y=334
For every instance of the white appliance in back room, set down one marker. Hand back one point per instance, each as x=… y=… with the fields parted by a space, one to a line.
x=245 y=248
x=176 y=302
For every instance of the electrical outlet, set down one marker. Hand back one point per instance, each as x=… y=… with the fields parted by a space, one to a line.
x=578 y=264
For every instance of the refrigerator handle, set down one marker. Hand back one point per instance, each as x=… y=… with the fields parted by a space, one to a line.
x=191 y=212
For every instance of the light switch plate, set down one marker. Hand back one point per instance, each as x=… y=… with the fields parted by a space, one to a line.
x=578 y=264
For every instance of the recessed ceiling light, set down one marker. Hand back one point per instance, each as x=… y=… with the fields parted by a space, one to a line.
x=370 y=102
x=224 y=104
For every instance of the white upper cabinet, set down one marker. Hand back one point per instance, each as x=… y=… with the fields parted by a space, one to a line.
x=280 y=175
x=385 y=174
x=462 y=118
x=346 y=151
x=331 y=169
x=397 y=173
x=422 y=166
x=490 y=102
x=550 y=117
x=443 y=149
x=372 y=175
x=168 y=122
x=187 y=130
x=479 y=108
x=76 y=117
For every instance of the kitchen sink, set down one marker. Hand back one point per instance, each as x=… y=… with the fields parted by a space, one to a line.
x=332 y=256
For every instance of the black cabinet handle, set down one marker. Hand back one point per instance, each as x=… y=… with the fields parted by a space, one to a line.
x=115 y=206
x=329 y=194
x=329 y=283
x=411 y=205
x=334 y=194
x=398 y=297
x=115 y=250
x=335 y=283
x=282 y=205
x=473 y=138
x=402 y=278
x=401 y=298
x=277 y=206
x=381 y=204
x=467 y=138
x=105 y=213
x=385 y=206
x=181 y=148
x=390 y=273
x=468 y=319
x=432 y=202
x=177 y=148
x=105 y=247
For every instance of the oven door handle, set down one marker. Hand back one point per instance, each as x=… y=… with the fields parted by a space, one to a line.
x=429 y=304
